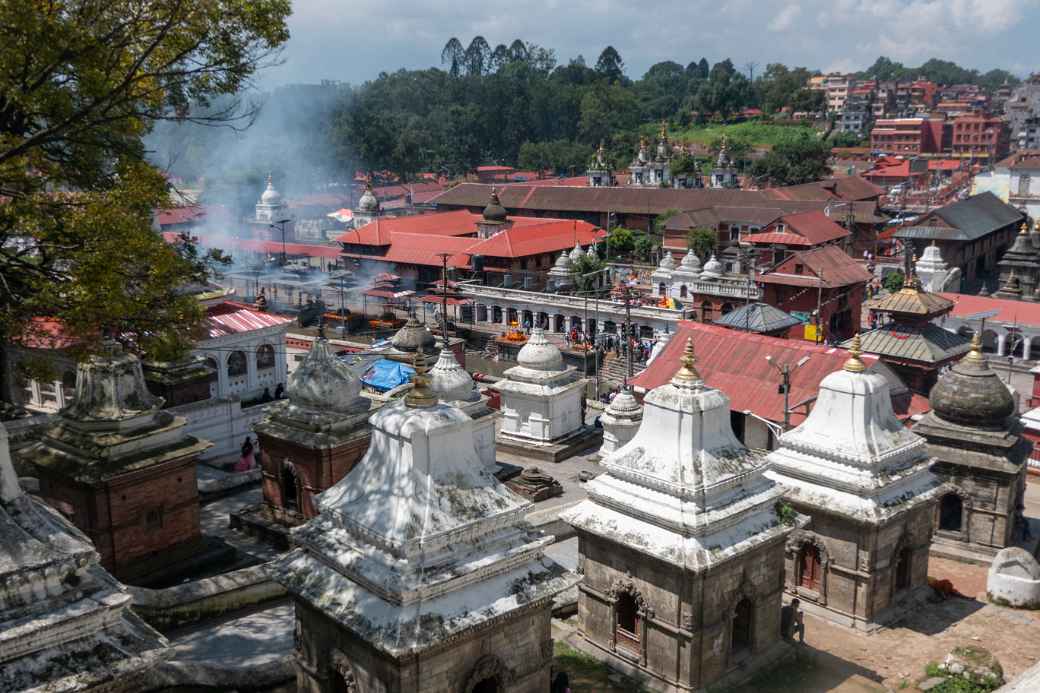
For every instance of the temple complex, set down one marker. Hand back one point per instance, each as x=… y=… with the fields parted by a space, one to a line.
x=542 y=403
x=863 y=479
x=65 y=623
x=682 y=545
x=122 y=469
x=1020 y=262
x=976 y=444
x=315 y=437
x=599 y=171
x=651 y=170
x=620 y=421
x=419 y=573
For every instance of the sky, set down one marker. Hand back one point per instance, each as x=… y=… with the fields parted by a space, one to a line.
x=354 y=40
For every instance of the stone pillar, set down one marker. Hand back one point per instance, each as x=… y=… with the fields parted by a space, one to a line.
x=1027 y=347
x=1001 y=338
x=222 y=377
x=251 y=381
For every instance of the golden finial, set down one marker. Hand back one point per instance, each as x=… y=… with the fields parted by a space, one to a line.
x=642 y=142
x=420 y=395
x=854 y=364
x=1024 y=228
x=1036 y=225
x=664 y=129
x=975 y=355
x=688 y=371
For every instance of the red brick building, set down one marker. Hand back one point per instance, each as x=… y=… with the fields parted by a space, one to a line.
x=907 y=136
x=122 y=469
x=980 y=136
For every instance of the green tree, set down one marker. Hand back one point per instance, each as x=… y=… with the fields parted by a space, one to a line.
x=792 y=163
x=684 y=165
x=621 y=242
x=893 y=281
x=583 y=267
x=662 y=220
x=701 y=241
x=644 y=248
x=83 y=82
x=610 y=66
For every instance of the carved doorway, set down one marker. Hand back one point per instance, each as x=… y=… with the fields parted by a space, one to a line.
x=811 y=573
x=951 y=513
x=488 y=685
x=742 y=638
x=627 y=625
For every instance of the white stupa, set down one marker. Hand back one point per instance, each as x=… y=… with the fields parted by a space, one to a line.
x=416 y=553
x=932 y=270
x=541 y=397
x=663 y=274
x=712 y=268
x=455 y=386
x=620 y=421
x=559 y=275
x=683 y=277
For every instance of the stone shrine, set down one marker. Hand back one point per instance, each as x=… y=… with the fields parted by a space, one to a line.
x=682 y=546
x=976 y=444
x=65 y=623
x=1020 y=262
x=863 y=479
x=542 y=404
x=122 y=469
x=662 y=275
x=368 y=209
x=620 y=421
x=419 y=574
x=453 y=385
x=315 y=437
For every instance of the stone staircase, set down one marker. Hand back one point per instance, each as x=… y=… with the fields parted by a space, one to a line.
x=614 y=369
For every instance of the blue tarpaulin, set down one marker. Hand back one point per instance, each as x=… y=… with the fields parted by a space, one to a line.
x=385 y=375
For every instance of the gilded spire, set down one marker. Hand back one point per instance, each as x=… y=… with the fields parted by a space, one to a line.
x=1036 y=226
x=420 y=395
x=664 y=129
x=688 y=371
x=975 y=356
x=854 y=364
x=1024 y=228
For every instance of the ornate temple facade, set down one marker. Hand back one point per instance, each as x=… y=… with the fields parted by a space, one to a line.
x=723 y=173
x=65 y=623
x=976 y=444
x=651 y=170
x=682 y=545
x=863 y=479
x=312 y=439
x=599 y=172
x=122 y=469
x=419 y=573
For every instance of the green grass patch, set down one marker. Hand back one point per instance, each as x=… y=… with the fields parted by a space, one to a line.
x=755 y=133
x=589 y=675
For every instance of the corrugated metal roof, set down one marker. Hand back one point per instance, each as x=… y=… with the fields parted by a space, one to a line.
x=926 y=343
x=911 y=301
x=735 y=363
x=231 y=317
x=1009 y=311
x=828 y=266
x=969 y=219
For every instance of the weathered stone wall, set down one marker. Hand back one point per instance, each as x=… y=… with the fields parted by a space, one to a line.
x=316 y=469
x=521 y=642
x=687 y=626
x=989 y=501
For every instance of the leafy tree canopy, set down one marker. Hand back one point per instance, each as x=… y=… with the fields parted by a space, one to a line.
x=793 y=163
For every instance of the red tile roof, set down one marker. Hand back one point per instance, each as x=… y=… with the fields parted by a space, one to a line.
x=828 y=266
x=735 y=363
x=549 y=237
x=777 y=237
x=844 y=188
x=815 y=226
x=231 y=317
x=418 y=249
x=459 y=222
x=307 y=249
x=180 y=215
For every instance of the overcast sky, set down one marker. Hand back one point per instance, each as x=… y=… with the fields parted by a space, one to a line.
x=354 y=40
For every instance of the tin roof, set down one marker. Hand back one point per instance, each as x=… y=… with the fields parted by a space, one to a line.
x=964 y=220
x=924 y=343
x=911 y=300
x=758 y=317
x=231 y=317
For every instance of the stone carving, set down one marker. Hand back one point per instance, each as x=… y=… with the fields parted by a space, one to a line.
x=1014 y=579
x=488 y=667
x=627 y=586
x=535 y=485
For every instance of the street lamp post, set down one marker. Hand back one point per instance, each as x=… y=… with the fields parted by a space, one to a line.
x=281 y=223
x=785 y=375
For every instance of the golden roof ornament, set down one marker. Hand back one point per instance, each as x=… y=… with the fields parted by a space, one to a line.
x=855 y=364
x=1024 y=228
x=687 y=372
x=420 y=395
x=1036 y=225
x=975 y=356
x=664 y=129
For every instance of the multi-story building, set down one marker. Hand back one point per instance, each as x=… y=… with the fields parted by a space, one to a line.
x=1023 y=105
x=1015 y=180
x=858 y=113
x=837 y=87
x=979 y=136
x=1027 y=136
x=922 y=93
x=907 y=135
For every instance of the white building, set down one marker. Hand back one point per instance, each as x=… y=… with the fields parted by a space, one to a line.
x=455 y=386
x=1015 y=180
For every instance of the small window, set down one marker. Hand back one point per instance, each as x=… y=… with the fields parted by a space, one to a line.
x=153 y=519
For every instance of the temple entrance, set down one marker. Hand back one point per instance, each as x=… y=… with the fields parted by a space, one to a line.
x=741 y=641
x=627 y=630
x=290 y=489
x=489 y=685
x=496 y=314
x=903 y=569
x=662 y=290
x=811 y=568
x=557 y=323
x=951 y=512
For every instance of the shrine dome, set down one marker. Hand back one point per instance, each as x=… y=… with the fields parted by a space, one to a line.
x=450 y=380
x=323 y=382
x=971 y=394
x=539 y=354
x=271 y=196
x=413 y=335
x=368 y=202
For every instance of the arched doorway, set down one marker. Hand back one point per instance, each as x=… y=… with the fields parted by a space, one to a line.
x=290 y=488
x=488 y=685
x=627 y=621
x=904 y=565
x=810 y=573
x=706 y=309
x=264 y=357
x=496 y=314
x=662 y=289
x=726 y=308
x=742 y=635
x=683 y=291
x=344 y=682
x=951 y=513
x=236 y=364
x=558 y=323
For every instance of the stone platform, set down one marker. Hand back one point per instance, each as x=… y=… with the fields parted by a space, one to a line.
x=974 y=554
x=584 y=439
x=257 y=521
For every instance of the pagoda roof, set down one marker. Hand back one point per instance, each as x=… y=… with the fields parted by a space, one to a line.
x=912 y=301
x=758 y=317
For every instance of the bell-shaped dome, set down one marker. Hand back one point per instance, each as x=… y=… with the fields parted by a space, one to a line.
x=323 y=382
x=971 y=394
x=691 y=262
x=413 y=335
x=539 y=354
x=712 y=268
x=110 y=387
x=270 y=195
x=494 y=213
x=624 y=405
x=577 y=253
x=368 y=202
x=563 y=261
x=450 y=380
x=667 y=261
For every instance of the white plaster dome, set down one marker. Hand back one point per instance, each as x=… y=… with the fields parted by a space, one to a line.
x=323 y=382
x=450 y=380
x=576 y=253
x=624 y=405
x=691 y=262
x=539 y=354
x=413 y=335
x=667 y=261
x=368 y=202
x=563 y=262
x=271 y=196
x=712 y=268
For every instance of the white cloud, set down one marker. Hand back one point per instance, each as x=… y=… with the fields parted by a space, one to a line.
x=785 y=19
